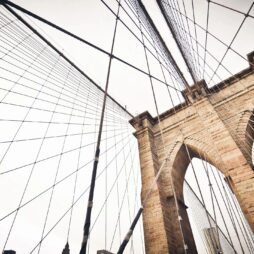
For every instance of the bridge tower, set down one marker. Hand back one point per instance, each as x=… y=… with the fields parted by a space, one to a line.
x=215 y=124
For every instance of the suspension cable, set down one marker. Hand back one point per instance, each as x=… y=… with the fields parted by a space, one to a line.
x=97 y=152
x=6 y=3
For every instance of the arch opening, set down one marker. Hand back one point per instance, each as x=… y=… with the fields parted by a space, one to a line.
x=215 y=216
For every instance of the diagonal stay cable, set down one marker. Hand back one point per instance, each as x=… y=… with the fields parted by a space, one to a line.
x=112 y=187
x=216 y=61
x=76 y=173
x=62 y=180
x=192 y=55
x=49 y=157
x=224 y=201
x=29 y=108
x=57 y=136
x=232 y=9
x=97 y=151
x=231 y=42
x=95 y=98
x=214 y=36
x=214 y=242
x=58 y=166
x=90 y=108
x=7 y=3
x=173 y=32
x=196 y=36
x=117 y=192
x=86 y=189
x=117 y=224
x=202 y=204
x=31 y=171
x=229 y=195
x=153 y=33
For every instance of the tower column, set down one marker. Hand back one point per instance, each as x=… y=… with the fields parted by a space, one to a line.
x=166 y=225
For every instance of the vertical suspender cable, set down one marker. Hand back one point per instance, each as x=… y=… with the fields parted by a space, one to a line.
x=97 y=151
x=214 y=242
x=129 y=234
x=177 y=42
x=206 y=35
x=232 y=41
x=218 y=244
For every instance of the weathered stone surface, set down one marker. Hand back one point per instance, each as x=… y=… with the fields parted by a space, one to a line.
x=216 y=125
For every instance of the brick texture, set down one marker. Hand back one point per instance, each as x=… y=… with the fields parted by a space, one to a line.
x=216 y=125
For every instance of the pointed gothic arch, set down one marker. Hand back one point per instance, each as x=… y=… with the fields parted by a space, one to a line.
x=245 y=134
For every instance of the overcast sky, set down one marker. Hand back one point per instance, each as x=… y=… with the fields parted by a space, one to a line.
x=92 y=21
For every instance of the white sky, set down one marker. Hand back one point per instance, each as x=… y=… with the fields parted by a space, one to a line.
x=92 y=21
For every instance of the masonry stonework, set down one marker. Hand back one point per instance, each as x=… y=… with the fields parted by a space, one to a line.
x=215 y=124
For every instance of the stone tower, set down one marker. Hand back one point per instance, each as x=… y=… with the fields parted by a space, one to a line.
x=215 y=124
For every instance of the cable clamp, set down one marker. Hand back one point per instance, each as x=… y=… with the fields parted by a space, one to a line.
x=85 y=238
x=90 y=204
x=128 y=236
x=96 y=158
